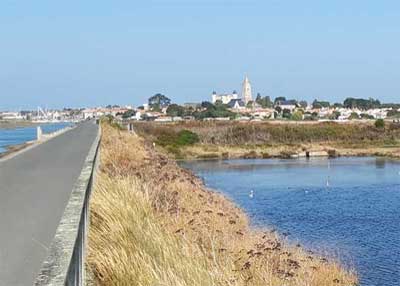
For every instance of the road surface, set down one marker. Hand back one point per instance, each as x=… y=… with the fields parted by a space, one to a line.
x=34 y=190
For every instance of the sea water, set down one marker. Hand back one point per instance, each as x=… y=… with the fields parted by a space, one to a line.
x=346 y=207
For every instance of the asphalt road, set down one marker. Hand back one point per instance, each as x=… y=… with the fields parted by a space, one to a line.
x=34 y=190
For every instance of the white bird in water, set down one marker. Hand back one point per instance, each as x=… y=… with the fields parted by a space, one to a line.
x=251 y=195
x=327 y=182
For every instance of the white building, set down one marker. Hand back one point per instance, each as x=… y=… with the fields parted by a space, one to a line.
x=378 y=113
x=11 y=116
x=287 y=104
x=225 y=98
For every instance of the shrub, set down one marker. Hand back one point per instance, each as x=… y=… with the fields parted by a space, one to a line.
x=297 y=116
x=186 y=137
x=354 y=115
x=380 y=123
x=176 y=139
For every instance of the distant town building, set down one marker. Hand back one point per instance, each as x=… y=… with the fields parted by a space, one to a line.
x=193 y=105
x=11 y=116
x=225 y=98
x=236 y=104
x=246 y=91
x=287 y=104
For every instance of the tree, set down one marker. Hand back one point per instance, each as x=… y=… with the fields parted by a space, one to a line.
x=155 y=107
x=218 y=103
x=335 y=115
x=265 y=102
x=250 y=104
x=278 y=109
x=128 y=114
x=297 y=116
x=159 y=101
x=380 y=123
x=360 y=103
x=258 y=98
x=366 y=116
x=213 y=111
x=320 y=104
x=175 y=110
x=279 y=98
x=354 y=115
x=337 y=105
x=188 y=111
x=286 y=113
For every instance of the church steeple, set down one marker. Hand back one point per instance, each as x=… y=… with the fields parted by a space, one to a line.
x=246 y=91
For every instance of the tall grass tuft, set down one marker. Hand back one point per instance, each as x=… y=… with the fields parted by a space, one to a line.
x=130 y=247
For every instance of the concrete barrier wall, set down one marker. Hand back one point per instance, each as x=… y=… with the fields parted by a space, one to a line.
x=65 y=263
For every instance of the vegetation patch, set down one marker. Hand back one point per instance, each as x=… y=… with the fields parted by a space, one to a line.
x=181 y=138
x=153 y=223
x=238 y=139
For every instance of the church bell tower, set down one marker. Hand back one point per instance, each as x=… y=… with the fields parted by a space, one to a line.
x=246 y=91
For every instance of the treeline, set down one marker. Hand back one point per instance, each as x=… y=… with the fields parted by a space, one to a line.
x=159 y=101
x=206 y=109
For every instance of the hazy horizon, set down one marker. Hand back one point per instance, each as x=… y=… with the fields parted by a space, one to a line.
x=95 y=53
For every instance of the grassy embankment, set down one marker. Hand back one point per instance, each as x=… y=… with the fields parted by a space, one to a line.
x=154 y=223
x=265 y=140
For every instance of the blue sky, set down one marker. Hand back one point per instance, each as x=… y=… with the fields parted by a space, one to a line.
x=88 y=53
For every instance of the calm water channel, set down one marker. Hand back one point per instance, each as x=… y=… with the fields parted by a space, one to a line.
x=349 y=207
x=15 y=136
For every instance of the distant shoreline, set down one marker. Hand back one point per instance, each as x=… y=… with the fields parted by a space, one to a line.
x=11 y=149
x=6 y=124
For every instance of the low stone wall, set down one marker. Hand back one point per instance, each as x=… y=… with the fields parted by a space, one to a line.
x=46 y=136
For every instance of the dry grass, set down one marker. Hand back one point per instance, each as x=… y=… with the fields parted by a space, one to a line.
x=153 y=223
x=262 y=133
x=132 y=248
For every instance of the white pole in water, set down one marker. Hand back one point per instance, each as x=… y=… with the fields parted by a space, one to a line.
x=38 y=133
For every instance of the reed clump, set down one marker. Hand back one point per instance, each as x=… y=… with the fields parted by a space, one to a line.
x=154 y=223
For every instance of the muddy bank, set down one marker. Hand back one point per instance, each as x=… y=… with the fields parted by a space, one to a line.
x=15 y=148
x=285 y=152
